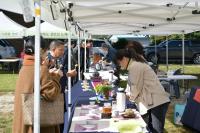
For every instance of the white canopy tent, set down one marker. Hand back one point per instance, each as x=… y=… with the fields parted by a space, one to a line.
x=49 y=31
x=16 y=6
x=9 y=28
x=123 y=16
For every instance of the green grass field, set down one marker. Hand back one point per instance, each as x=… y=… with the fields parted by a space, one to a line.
x=188 y=69
x=6 y=123
x=8 y=81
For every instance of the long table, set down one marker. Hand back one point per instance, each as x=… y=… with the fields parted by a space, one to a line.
x=168 y=77
x=10 y=61
x=177 y=77
x=186 y=78
x=81 y=97
x=103 y=74
x=86 y=120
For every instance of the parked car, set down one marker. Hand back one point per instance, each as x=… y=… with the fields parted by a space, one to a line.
x=97 y=46
x=11 y=48
x=144 y=40
x=192 y=51
x=98 y=42
x=6 y=50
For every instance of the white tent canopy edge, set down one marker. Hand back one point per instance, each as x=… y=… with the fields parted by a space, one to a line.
x=9 y=28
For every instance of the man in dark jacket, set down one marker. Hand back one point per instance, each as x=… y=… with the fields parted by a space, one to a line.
x=110 y=52
x=60 y=57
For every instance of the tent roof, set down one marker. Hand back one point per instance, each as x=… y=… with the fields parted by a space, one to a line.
x=152 y=17
x=125 y=16
x=10 y=29
x=11 y=5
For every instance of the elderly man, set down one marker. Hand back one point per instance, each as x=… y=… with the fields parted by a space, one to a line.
x=56 y=53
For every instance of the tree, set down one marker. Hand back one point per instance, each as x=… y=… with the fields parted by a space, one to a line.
x=189 y=36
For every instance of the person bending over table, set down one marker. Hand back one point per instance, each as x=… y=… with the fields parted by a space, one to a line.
x=110 y=52
x=145 y=89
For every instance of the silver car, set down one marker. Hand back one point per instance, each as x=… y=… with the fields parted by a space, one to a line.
x=6 y=50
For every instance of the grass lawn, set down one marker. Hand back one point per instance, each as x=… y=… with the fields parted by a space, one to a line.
x=188 y=69
x=8 y=81
x=6 y=123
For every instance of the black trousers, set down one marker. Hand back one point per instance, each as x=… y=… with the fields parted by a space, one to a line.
x=155 y=118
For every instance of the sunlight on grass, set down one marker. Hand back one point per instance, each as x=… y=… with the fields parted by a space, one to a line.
x=188 y=69
x=7 y=82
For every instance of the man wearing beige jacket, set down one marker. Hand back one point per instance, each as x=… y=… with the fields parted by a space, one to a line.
x=145 y=89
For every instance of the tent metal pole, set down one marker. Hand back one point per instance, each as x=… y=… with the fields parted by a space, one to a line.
x=167 y=54
x=79 y=68
x=183 y=56
x=37 y=68
x=183 y=51
x=69 y=68
x=155 y=50
x=85 y=54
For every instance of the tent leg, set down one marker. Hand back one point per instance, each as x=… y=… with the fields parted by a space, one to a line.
x=183 y=58
x=69 y=68
x=37 y=68
x=167 y=54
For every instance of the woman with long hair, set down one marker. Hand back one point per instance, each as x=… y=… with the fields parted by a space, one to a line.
x=144 y=89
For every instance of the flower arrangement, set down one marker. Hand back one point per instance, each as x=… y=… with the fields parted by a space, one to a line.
x=103 y=89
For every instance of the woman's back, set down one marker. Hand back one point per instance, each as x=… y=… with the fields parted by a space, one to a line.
x=147 y=85
x=25 y=84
